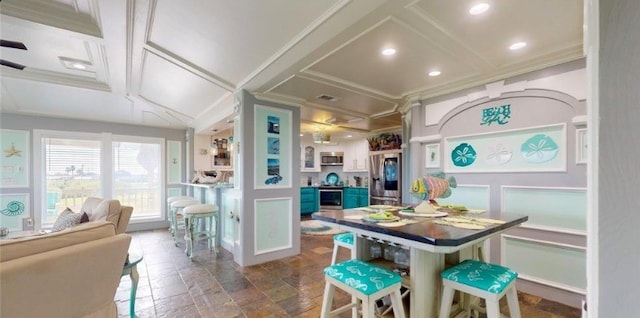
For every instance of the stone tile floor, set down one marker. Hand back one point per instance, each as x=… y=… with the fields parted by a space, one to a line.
x=171 y=285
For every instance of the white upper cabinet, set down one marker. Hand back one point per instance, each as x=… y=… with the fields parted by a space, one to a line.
x=356 y=156
x=309 y=158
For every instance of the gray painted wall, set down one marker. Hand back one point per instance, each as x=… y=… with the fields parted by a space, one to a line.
x=615 y=246
x=530 y=108
x=249 y=194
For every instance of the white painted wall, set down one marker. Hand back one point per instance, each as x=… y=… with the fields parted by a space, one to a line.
x=614 y=177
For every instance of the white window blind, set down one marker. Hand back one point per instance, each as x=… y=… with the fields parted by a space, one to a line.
x=72 y=170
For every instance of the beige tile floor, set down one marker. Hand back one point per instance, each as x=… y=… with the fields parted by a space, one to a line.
x=171 y=285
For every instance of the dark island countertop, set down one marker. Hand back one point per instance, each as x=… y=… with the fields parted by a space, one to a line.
x=424 y=231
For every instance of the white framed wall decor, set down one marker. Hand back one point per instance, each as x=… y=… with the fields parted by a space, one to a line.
x=432 y=156
x=581 y=146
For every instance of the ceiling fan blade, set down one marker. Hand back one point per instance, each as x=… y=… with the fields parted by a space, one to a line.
x=12 y=65
x=13 y=44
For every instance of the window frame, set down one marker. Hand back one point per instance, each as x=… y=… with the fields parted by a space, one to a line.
x=106 y=166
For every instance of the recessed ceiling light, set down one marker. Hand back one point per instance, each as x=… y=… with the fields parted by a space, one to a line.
x=74 y=64
x=388 y=51
x=517 y=46
x=479 y=8
x=301 y=135
x=434 y=73
x=79 y=66
x=349 y=136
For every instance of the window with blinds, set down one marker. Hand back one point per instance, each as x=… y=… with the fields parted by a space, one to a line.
x=72 y=170
x=137 y=177
x=128 y=168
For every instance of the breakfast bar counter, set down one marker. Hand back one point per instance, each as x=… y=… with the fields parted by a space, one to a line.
x=428 y=240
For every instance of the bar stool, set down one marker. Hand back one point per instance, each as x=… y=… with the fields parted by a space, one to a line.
x=341 y=240
x=480 y=279
x=194 y=214
x=177 y=208
x=365 y=282
x=171 y=216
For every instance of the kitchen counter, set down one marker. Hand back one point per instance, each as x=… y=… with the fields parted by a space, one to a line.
x=208 y=185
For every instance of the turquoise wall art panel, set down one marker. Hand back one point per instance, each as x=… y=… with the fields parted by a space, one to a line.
x=463 y=155
x=14 y=162
x=174 y=162
x=174 y=191
x=13 y=208
x=534 y=149
x=474 y=197
x=557 y=209
x=273 y=166
x=558 y=265
x=273 y=225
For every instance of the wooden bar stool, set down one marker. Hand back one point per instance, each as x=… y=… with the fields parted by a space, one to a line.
x=341 y=240
x=176 y=210
x=193 y=214
x=484 y=280
x=366 y=282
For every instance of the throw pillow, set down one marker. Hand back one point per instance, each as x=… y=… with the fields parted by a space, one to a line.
x=84 y=218
x=66 y=219
x=107 y=210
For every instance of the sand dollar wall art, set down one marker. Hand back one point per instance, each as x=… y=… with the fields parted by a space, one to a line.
x=533 y=149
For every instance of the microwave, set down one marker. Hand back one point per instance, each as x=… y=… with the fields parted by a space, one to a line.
x=331 y=158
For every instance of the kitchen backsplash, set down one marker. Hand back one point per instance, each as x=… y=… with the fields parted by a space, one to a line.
x=318 y=177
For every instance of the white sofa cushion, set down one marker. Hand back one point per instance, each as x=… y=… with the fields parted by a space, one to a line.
x=30 y=245
x=100 y=210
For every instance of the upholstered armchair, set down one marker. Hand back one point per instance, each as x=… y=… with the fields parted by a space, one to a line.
x=108 y=210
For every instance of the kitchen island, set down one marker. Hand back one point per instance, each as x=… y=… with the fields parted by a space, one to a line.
x=428 y=243
x=224 y=196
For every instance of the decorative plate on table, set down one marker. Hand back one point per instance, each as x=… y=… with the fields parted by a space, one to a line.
x=385 y=207
x=424 y=215
x=332 y=178
x=381 y=217
x=391 y=219
x=381 y=206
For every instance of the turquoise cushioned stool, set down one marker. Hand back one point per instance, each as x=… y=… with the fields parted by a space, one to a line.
x=484 y=280
x=341 y=240
x=366 y=283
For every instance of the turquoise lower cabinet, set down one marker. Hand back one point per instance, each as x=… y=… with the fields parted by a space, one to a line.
x=309 y=200
x=355 y=197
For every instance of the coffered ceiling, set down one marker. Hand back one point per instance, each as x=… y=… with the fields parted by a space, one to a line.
x=180 y=63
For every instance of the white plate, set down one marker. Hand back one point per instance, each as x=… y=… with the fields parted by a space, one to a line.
x=382 y=207
x=425 y=215
x=394 y=219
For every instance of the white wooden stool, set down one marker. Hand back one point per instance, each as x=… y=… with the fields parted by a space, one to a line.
x=194 y=214
x=366 y=282
x=176 y=210
x=484 y=280
x=171 y=200
x=341 y=240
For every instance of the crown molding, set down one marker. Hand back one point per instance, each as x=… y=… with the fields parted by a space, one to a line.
x=55 y=78
x=426 y=139
x=56 y=15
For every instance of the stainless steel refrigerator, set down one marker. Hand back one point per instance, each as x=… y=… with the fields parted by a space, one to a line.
x=385 y=175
